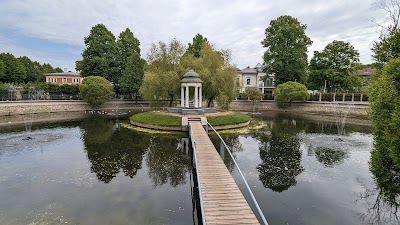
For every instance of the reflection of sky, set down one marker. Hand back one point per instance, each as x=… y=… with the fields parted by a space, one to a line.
x=52 y=181
x=322 y=195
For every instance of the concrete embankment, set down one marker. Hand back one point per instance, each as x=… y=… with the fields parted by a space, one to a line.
x=350 y=109
x=29 y=107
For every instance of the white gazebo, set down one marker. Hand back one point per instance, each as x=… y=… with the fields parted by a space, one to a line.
x=191 y=79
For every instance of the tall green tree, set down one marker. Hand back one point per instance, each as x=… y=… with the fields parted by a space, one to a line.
x=163 y=72
x=386 y=48
x=219 y=76
x=99 y=56
x=33 y=70
x=14 y=71
x=2 y=73
x=334 y=67
x=127 y=45
x=132 y=76
x=286 y=54
x=197 y=45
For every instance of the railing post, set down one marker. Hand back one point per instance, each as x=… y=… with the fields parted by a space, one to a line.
x=222 y=150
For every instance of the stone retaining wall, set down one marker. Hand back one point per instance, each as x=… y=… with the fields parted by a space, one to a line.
x=321 y=108
x=26 y=107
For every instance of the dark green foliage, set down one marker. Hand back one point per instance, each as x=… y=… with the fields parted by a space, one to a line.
x=290 y=91
x=127 y=45
x=96 y=90
x=385 y=114
x=132 y=76
x=195 y=47
x=99 y=57
x=22 y=70
x=109 y=58
x=69 y=89
x=3 y=90
x=286 y=54
x=335 y=66
x=388 y=47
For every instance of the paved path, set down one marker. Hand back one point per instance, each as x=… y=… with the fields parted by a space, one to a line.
x=222 y=200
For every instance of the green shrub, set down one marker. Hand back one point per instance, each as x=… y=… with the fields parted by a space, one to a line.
x=290 y=91
x=96 y=90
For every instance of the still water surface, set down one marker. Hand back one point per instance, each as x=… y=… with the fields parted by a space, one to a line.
x=302 y=172
x=93 y=171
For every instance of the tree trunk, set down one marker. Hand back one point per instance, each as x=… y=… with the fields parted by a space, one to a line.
x=210 y=100
x=171 y=101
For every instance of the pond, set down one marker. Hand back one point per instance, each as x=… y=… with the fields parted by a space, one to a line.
x=94 y=171
x=302 y=171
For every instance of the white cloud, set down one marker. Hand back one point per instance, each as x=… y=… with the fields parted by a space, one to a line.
x=236 y=25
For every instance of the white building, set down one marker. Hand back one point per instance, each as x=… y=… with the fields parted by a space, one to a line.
x=253 y=77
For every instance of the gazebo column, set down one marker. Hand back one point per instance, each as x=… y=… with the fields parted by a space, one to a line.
x=182 y=96
x=187 y=97
x=200 y=98
x=196 y=98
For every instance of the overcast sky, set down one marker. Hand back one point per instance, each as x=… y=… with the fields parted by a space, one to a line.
x=52 y=31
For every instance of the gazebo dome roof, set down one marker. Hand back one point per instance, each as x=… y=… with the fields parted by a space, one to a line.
x=191 y=77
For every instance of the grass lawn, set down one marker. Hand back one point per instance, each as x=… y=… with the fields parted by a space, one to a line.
x=157 y=119
x=175 y=121
x=230 y=119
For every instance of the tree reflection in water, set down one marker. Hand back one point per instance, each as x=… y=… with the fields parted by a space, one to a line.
x=329 y=157
x=383 y=202
x=110 y=150
x=281 y=155
x=167 y=161
x=232 y=141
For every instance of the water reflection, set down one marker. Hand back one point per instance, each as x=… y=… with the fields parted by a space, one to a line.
x=280 y=154
x=329 y=157
x=111 y=150
x=384 y=200
x=232 y=141
x=167 y=161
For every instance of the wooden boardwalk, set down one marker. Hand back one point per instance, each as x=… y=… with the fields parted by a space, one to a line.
x=223 y=202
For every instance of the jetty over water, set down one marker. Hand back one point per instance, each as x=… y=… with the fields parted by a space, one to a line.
x=221 y=200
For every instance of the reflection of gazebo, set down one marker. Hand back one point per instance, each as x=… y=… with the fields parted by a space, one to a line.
x=191 y=79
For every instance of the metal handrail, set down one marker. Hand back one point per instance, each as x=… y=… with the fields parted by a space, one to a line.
x=241 y=174
x=197 y=174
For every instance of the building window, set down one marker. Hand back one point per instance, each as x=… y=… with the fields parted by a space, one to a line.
x=248 y=81
x=268 y=82
x=64 y=80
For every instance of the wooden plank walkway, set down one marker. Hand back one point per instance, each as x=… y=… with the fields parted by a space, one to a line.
x=223 y=202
